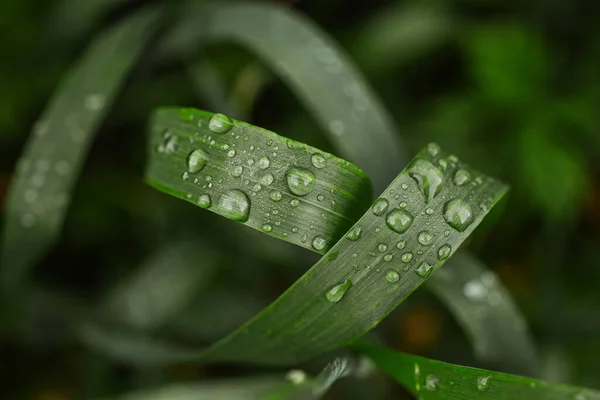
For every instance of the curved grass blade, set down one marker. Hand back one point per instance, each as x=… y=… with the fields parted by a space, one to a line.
x=344 y=105
x=431 y=380
x=407 y=234
x=297 y=49
x=284 y=188
x=478 y=299
x=41 y=188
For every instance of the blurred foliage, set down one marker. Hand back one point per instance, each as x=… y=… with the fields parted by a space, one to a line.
x=511 y=87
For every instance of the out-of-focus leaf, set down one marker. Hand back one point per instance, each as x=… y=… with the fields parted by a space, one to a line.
x=431 y=380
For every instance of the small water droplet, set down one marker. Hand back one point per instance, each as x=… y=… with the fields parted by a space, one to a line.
x=318 y=160
x=220 y=123
x=204 y=201
x=444 y=252
x=320 y=197
x=429 y=211
x=296 y=376
x=432 y=382
x=300 y=181
x=185 y=176
x=401 y=244
x=484 y=383
x=392 y=276
x=425 y=238
x=443 y=163
x=256 y=187
x=388 y=257
x=380 y=206
x=250 y=161
x=399 y=220
x=403 y=204
x=267 y=228
x=276 y=195
x=354 y=233
x=461 y=177
x=474 y=290
x=263 y=163
x=336 y=293
x=447 y=232
x=319 y=243
x=231 y=153
x=382 y=248
x=234 y=204
x=406 y=257
x=196 y=161
x=294 y=202
x=266 y=179
x=458 y=214
x=430 y=180
x=237 y=171
x=404 y=186
x=304 y=238
x=295 y=229
x=424 y=269
x=433 y=149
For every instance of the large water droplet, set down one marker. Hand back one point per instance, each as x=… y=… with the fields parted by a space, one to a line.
x=392 y=276
x=399 y=220
x=425 y=238
x=318 y=160
x=406 y=257
x=266 y=179
x=336 y=293
x=300 y=181
x=380 y=206
x=263 y=163
x=220 y=123
x=458 y=214
x=444 y=252
x=354 y=233
x=276 y=195
x=424 y=269
x=204 y=201
x=429 y=178
x=432 y=382
x=461 y=177
x=235 y=205
x=196 y=161
x=484 y=383
x=319 y=243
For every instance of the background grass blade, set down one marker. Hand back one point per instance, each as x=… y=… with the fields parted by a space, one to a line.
x=431 y=380
x=41 y=189
x=296 y=48
x=478 y=299
x=344 y=106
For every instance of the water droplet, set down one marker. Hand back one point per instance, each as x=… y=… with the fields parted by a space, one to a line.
x=263 y=163
x=336 y=293
x=403 y=204
x=399 y=220
x=204 y=201
x=294 y=202
x=433 y=149
x=354 y=233
x=380 y=206
x=266 y=179
x=458 y=214
x=447 y=232
x=443 y=163
x=429 y=178
x=220 y=123
x=300 y=181
x=401 y=244
x=429 y=211
x=231 y=153
x=256 y=187
x=196 y=161
x=275 y=196
x=425 y=238
x=382 y=248
x=392 y=276
x=237 y=171
x=250 y=161
x=404 y=186
x=432 y=382
x=94 y=102
x=475 y=290
x=185 y=176
x=424 y=269
x=234 y=204
x=318 y=160
x=444 y=252
x=267 y=228
x=304 y=238
x=296 y=376
x=406 y=257
x=484 y=383
x=320 y=197
x=461 y=177
x=319 y=243
x=388 y=257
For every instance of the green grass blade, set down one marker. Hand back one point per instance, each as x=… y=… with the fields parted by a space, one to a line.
x=350 y=113
x=314 y=67
x=408 y=233
x=41 y=188
x=477 y=298
x=432 y=380
x=239 y=165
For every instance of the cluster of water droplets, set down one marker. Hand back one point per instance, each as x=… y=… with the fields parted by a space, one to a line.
x=433 y=383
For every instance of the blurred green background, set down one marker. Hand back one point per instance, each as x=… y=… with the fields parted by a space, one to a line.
x=512 y=87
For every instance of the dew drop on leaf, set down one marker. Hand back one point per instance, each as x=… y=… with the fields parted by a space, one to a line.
x=196 y=161
x=432 y=382
x=300 y=181
x=382 y=248
x=263 y=163
x=458 y=214
x=444 y=252
x=319 y=243
x=204 y=201
x=267 y=228
x=392 y=276
x=461 y=177
x=275 y=195
x=424 y=269
x=336 y=293
x=399 y=220
x=484 y=383
x=318 y=160
x=406 y=257
x=425 y=238
x=234 y=204
x=429 y=178
x=354 y=233
x=220 y=123
x=380 y=206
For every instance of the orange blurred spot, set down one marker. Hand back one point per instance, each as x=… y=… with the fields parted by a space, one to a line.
x=420 y=329
x=516 y=278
